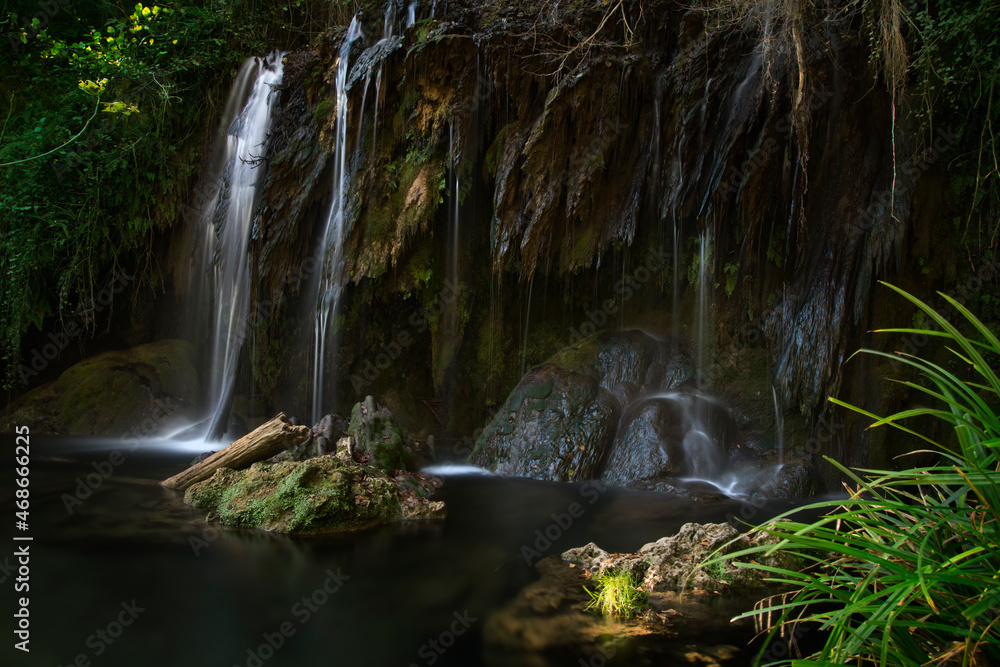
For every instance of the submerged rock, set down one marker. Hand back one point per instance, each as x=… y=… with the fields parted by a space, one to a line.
x=319 y=495
x=134 y=392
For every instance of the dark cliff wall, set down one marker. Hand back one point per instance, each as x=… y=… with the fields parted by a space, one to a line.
x=591 y=151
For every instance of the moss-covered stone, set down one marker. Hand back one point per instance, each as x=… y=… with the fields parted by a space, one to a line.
x=378 y=438
x=319 y=495
x=675 y=562
x=138 y=391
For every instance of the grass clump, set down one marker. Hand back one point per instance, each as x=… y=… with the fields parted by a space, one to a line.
x=906 y=570
x=617 y=595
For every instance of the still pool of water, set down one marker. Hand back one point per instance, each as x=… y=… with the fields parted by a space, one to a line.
x=192 y=593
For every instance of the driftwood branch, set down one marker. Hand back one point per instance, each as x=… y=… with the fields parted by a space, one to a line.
x=264 y=442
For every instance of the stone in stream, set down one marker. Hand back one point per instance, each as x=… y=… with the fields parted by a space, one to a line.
x=673 y=436
x=378 y=438
x=137 y=392
x=324 y=494
x=559 y=421
x=674 y=563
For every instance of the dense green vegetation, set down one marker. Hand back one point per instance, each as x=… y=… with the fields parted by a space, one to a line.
x=905 y=570
x=106 y=108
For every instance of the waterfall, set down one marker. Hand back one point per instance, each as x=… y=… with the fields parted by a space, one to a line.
x=779 y=426
x=453 y=158
x=706 y=282
x=228 y=195
x=331 y=276
x=411 y=14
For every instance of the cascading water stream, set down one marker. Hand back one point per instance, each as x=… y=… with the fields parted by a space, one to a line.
x=411 y=14
x=779 y=426
x=387 y=26
x=706 y=281
x=331 y=276
x=221 y=261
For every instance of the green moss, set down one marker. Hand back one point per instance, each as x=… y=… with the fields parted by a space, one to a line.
x=322 y=112
x=492 y=160
x=577 y=357
x=314 y=496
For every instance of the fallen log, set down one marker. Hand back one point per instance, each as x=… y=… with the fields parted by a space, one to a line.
x=262 y=443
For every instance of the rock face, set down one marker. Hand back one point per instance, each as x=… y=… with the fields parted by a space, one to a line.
x=378 y=438
x=620 y=406
x=561 y=418
x=669 y=435
x=135 y=392
x=324 y=494
x=674 y=563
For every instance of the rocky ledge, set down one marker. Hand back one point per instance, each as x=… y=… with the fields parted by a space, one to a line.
x=310 y=487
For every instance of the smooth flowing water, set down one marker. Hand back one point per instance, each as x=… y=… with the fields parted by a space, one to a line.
x=203 y=594
x=220 y=266
x=331 y=276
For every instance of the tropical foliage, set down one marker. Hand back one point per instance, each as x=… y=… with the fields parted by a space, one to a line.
x=906 y=570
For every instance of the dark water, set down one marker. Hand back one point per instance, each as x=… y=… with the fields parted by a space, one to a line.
x=195 y=594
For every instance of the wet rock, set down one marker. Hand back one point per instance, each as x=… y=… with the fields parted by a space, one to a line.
x=668 y=436
x=318 y=495
x=136 y=392
x=555 y=426
x=633 y=363
x=315 y=496
x=673 y=560
x=548 y=623
x=559 y=421
x=649 y=444
x=794 y=480
x=306 y=449
x=422 y=509
x=674 y=563
x=696 y=490
x=590 y=556
x=378 y=438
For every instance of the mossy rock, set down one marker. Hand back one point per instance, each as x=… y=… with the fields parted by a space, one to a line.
x=561 y=418
x=378 y=438
x=138 y=391
x=319 y=495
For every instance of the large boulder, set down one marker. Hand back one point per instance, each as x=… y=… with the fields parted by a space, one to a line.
x=558 y=422
x=671 y=435
x=556 y=426
x=136 y=392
